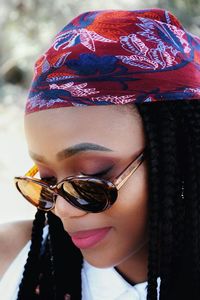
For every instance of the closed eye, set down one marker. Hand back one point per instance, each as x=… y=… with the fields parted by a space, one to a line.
x=99 y=174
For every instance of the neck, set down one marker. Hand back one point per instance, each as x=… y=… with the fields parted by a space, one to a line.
x=135 y=268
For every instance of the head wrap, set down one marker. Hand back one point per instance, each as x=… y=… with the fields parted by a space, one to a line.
x=117 y=57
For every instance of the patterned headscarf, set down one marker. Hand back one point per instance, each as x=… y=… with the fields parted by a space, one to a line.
x=117 y=57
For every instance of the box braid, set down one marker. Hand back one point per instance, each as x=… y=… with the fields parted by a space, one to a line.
x=152 y=136
x=66 y=259
x=173 y=156
x=31 y=270
x=192 y=192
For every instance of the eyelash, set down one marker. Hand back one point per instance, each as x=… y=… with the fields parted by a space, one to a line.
x=53 y=180
x=100 y=174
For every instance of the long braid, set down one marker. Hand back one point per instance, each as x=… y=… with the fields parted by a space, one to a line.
x=169 y=191
x=31 y=270
x=154 y=199
x=179 y=207
x=64 y=255
x=191 y=194
x=46 y=284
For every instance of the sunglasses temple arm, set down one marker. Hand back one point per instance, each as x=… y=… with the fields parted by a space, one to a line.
x=124 y=176
x=32 y=171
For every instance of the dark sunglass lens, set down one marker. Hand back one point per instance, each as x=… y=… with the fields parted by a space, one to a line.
x=36 y=194
x=89 y=194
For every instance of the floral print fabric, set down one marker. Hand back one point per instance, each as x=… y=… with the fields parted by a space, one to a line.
x=117 y=57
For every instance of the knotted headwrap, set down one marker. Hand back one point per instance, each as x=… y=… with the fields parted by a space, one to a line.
x=117 y=57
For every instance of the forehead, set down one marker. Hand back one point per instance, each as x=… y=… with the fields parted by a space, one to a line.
x=115 y=127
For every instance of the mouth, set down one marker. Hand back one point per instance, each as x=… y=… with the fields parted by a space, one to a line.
x=89 y=238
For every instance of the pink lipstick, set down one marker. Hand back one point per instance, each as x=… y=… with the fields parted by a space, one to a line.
x=89 y=238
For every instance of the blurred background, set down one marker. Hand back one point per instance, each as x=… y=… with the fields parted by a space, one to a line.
x=27 y=28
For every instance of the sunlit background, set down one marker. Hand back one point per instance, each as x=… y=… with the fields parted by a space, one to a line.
x=27 y=28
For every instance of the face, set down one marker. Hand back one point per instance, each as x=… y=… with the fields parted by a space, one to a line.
x=116 y=236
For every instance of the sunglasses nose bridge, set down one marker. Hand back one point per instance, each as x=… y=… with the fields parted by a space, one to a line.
x=64 y=208
x=52 y=188
x=42 y=196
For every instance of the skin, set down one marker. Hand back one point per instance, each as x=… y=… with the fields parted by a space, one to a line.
x=10 y=246
x=119 y=129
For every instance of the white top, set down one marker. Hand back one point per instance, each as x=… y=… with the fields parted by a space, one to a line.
x=108 y=284
x=97 y=284
x=12 y=278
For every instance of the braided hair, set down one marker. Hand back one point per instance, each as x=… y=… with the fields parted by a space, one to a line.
x=173 y=160
x=173 y=139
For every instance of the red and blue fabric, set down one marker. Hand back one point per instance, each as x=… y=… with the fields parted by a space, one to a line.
x=117 y=57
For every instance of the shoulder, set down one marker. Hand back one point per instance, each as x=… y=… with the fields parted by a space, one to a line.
x=13 y=237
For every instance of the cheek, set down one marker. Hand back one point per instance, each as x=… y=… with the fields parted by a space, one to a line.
x=128 y=217
x=133 y=195
x=132 y=209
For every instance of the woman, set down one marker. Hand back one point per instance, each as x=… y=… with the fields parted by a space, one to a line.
x=113 y=125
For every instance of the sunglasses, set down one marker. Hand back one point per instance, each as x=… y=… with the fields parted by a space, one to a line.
x=90 y=194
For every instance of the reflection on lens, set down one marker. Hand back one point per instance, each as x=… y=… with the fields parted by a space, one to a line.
x=88 y=194
x=68 y=187
x=85 y=193
x=37 y=194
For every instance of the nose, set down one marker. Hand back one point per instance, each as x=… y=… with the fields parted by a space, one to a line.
x=64 y=209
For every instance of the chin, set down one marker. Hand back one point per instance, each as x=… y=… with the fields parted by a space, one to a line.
x=98 y=260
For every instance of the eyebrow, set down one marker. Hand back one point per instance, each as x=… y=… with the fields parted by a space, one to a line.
x=73 y=150
x=82 y=147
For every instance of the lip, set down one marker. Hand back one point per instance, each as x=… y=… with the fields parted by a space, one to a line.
x=89 y=238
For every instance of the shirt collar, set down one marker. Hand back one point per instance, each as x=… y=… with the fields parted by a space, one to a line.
x=107 y=283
